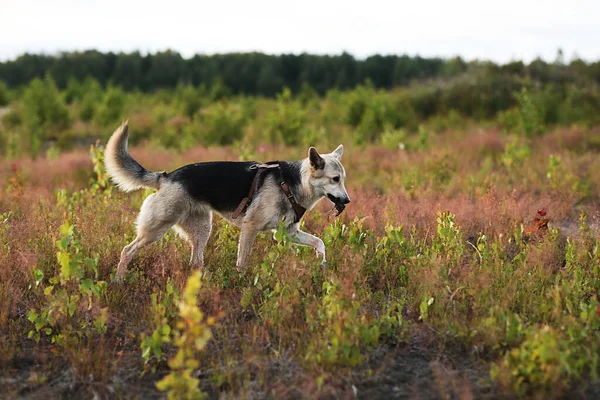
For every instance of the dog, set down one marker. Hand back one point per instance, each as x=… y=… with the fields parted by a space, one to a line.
x=255 y=197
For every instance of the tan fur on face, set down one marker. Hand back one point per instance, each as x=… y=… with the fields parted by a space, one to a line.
x=319 y=182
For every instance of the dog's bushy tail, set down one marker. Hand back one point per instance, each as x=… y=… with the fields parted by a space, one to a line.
x=127 y=173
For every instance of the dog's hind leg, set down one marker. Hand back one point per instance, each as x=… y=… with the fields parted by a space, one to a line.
x=153 y=222
x=144 y=238
x=196 y=228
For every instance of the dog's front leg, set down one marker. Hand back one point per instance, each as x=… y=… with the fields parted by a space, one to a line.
x=306 y=239
x=247 y=236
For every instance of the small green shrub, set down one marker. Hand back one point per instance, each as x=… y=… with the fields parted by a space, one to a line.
x=394 y=139
x=191 y=99
x=286 y=123
x=509 y=120
x=111 y=109
x=90 y=99
x=531 y=121
x=74 y=91
x=4 y=94
x=516 y=153
x=13 y=118
x=550 y=359
x=448 y=244
x=357 y=104
x=191 y=334
x=224 y=124
x=342 y=328
x=71 y=311
x=162 y=313
x=44 y=112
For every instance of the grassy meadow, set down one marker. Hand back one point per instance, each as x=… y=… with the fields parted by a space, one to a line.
x=466 y=266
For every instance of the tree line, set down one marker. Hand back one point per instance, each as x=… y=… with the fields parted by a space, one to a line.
x=265 y=75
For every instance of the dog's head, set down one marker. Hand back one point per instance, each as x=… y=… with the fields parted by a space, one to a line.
x=327 y=176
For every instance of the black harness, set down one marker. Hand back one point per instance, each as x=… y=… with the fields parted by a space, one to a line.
x=260 y=170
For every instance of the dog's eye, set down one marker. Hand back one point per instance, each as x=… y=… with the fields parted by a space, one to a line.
x=336 y=179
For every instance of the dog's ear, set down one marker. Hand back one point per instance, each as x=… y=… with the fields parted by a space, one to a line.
x=337 y=153
x=316 y=161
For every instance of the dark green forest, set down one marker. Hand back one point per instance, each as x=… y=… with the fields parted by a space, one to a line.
x=266 y=75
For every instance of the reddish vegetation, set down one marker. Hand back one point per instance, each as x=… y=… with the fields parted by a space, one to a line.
x=462 y=172
x=539 y=228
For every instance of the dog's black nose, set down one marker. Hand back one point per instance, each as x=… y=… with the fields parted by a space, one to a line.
x=346 y=200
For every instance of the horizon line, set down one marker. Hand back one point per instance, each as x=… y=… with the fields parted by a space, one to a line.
x=59 y=53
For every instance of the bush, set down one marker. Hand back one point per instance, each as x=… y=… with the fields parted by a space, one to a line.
x=13 y=118
x=549 y=358
x=224 y=123
x=191 y=335
x=74 y=91
x=44 y=112
x=286 y=122
x=580 y=105
x=394 y=139
x=509 y=120
x=71 y=305
x=91 y=99
x=43 y=108
x=379 y=112
x=219 y=91
x=4 y=95
x=356 y=104
x=342 y=329
x=110 y=110
x=191 y=99
x=531 y=121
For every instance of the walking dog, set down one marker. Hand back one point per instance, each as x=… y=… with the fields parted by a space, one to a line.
x=253 y=196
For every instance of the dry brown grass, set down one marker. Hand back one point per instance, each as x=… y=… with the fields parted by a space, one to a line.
x=256 y=356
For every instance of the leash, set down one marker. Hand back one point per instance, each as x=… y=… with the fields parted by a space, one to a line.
x=260 y=170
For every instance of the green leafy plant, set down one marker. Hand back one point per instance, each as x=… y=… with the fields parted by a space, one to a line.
x=286 y=123
x=530 y=113
x=44 y=112
x=111 y=108
x=550 y=357
x=225 y=123
x=191 y=335
x=448 y=243
x=4 y=94
x=162 y=313
x=342 y=329
x=516 y=153
x=71 y=309
x=100 y=184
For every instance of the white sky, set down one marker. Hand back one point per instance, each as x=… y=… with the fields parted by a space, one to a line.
x=499 y=30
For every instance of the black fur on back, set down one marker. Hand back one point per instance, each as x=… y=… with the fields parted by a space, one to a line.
x=223 y=184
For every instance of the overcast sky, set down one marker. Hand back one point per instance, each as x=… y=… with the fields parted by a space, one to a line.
x=497 y=30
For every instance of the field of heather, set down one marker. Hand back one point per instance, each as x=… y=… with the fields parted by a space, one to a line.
x=466 y=266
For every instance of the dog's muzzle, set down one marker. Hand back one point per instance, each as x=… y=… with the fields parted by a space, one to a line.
x=339 y=203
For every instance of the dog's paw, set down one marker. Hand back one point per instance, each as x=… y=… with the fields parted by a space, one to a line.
x=324 y=265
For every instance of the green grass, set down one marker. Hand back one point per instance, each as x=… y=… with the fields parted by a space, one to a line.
x=437 y=274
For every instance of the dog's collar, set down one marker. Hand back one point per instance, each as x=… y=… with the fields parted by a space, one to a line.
x=260 y=169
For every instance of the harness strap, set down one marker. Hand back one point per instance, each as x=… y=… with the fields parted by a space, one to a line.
x=260 y=169
x=298 y=209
